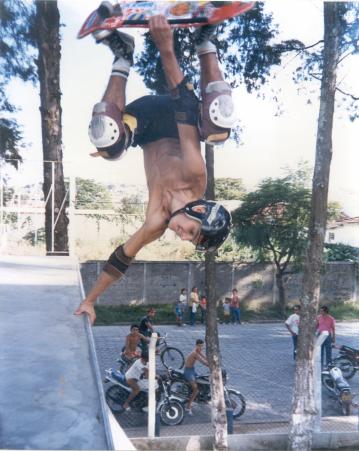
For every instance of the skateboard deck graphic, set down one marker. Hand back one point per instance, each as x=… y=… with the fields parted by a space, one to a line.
x=178 y=14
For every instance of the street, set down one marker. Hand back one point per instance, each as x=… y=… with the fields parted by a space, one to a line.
x=258 y=360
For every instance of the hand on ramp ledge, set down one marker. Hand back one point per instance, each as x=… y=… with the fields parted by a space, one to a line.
x=87 y=307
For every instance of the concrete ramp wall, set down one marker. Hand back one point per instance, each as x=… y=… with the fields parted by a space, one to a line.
x=50 y=393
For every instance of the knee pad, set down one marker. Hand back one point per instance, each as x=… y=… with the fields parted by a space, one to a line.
x=185 y=102
x=218 y=114
x=107 y=131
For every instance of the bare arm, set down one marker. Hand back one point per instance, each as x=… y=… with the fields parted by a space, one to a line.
x=162 y=36
x=149 y=232
x=201 y=358
x=144 y=338
x=127 y=345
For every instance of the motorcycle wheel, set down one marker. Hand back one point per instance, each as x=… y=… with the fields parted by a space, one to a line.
x=346 y=366
x=171 y=413
x=236 y=402
x=172 y=358
x=115 y=397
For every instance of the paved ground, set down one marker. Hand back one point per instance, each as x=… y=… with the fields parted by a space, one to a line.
x=45 y=359
x=258 y=359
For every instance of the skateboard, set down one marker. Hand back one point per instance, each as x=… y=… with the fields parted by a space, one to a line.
x=179 y=14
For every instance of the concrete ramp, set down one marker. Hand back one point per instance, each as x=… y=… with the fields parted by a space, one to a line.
x=50 y=393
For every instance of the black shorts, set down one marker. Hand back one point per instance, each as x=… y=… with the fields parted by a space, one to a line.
x=155 y=119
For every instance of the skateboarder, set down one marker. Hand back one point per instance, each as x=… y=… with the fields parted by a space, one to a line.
x=169 y=129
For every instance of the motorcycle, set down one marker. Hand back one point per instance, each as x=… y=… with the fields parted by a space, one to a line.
x=338 y=387
x=348 y=361
x=170 y=409
x=182 y=389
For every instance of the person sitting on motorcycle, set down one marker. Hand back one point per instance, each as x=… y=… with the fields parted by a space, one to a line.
x=137 y=378
x=189 y=372
x=133 y=340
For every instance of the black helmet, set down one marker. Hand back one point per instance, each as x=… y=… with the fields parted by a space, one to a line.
x=215 y=223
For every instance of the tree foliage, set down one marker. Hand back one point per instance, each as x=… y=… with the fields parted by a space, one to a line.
x=244 y=45
x=227 y=188
x=273 y=220
x=17 y=60
x=339 y=252
x=311 y=58
x=92 y=195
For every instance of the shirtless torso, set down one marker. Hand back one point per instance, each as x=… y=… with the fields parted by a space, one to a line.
x=131 y=344
x=174 y=177
x=193 y=357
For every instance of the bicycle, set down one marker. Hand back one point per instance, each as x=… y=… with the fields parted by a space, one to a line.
x=170 y=356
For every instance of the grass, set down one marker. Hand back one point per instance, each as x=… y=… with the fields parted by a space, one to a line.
x=124 y=314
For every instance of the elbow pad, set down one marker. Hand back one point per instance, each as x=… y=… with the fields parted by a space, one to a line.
x=118 y=263
x=185 y=103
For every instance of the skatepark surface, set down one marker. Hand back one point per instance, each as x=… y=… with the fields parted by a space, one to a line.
x=50 y=395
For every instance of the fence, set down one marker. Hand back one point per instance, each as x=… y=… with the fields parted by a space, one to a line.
x=160 y=282
x=259 y=363
x=104 y=212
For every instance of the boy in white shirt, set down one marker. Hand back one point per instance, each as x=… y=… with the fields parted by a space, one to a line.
x=292 y=324
x=137 y=378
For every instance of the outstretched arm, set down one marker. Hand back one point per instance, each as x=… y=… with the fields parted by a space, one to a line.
x=201 y=358
x=117 y=265
x=162 y=36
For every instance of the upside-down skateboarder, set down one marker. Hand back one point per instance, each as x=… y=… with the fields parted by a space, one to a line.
x=169 y=128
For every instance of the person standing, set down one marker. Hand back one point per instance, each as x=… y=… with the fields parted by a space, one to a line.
x=146 y=326
x=203 y=307
x=183 y=302
x=193 y=304
x=178 y=313
x=226 y=310
x=326 y=323
x=235 y=310
x=292 y=324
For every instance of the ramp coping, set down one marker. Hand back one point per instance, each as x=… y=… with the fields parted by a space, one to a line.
x=115 y=435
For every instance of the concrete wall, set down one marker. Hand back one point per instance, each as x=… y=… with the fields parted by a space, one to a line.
x=161 y=282
x=325 y=441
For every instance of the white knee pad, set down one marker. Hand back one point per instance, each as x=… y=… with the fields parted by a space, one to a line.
x=221 y=109
x=103 y=129
x=107 y=131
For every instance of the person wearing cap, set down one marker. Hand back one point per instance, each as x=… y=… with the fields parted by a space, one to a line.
x=169 y=128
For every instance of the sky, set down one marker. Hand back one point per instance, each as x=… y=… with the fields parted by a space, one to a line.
x=269 y=142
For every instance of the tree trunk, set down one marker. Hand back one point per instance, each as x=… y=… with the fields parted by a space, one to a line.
x=48 y=41
x=281 y=291
x=219 y=418
x=303 y=409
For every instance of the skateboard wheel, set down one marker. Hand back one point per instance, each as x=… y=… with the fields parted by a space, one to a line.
x=105 y=10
